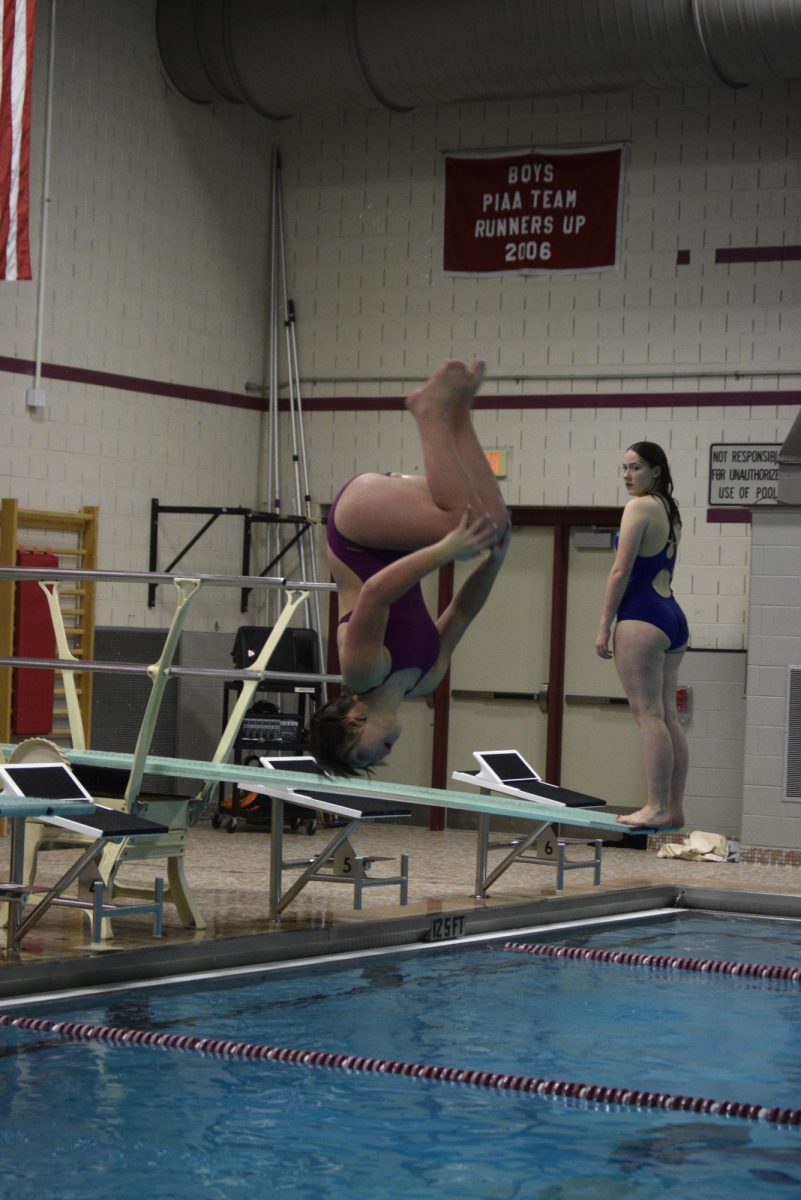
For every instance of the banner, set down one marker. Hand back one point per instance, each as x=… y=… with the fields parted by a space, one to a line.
x=533 y=211
x=15 y=126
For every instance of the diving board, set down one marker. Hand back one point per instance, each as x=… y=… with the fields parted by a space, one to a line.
x=38 y=806
x=290 y=786
x=189 y=768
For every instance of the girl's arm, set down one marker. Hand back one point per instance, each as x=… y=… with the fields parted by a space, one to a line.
x=632 y=530
x=364 y=659
x=470 y=599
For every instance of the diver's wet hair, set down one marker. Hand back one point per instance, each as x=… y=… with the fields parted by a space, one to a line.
x=654 y=456
x=331 y=738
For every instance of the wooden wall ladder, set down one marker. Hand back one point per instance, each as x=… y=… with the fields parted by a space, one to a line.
x=73 y=538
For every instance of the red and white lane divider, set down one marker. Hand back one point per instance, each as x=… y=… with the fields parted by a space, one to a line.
x=633 y=958
x=599 y=1093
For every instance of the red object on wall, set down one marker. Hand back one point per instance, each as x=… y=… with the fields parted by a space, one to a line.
x=33 y=689
x=533 y=212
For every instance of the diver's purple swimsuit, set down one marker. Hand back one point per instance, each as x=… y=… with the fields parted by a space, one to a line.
x=411 y=636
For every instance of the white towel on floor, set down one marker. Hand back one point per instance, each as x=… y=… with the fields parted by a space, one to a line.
x=698 y=846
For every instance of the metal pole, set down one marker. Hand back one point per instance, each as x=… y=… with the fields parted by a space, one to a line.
x=299 y=455
x=289 y=322
x=37 y=377
x=53 y=574
x=273 y=498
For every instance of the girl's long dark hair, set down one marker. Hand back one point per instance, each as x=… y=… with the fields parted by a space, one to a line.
x=330 y=739
x=655 y=456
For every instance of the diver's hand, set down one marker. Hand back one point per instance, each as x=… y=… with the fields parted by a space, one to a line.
x=470 y=537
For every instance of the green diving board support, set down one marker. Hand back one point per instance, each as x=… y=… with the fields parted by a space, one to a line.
x=74 y=717
x=246 y=694
x=159 y=672
x=171 y=844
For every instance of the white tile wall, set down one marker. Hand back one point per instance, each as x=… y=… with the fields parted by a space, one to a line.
x=774 y=645
x=699 y=178
x=156 y=259
x=715 y=732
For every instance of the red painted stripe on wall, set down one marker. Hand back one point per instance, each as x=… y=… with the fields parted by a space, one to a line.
x=133 y=383
x=728 y=516
x=181 y=391
x=568 y=400
x=754 y=254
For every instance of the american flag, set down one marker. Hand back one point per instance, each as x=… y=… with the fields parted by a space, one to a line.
x=15 y=124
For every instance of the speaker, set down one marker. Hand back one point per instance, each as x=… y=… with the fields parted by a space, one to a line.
x=296 y=650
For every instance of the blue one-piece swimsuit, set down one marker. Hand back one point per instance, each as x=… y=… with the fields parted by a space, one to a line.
x=411 y=637
x=641 y=601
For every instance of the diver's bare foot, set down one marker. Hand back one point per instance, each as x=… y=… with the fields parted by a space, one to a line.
x=449 y=392
x=650 y=818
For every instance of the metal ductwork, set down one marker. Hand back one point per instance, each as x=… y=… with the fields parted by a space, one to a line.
x=333 y=55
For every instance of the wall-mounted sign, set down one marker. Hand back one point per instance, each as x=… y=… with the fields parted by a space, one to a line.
x=533 y=211
x=743 y=473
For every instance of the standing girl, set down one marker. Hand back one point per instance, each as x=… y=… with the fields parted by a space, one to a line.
x=651 y=633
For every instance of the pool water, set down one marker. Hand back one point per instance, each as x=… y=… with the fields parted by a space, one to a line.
x=94 y=1120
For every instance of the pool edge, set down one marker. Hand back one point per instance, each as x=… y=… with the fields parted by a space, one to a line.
x=157 y=962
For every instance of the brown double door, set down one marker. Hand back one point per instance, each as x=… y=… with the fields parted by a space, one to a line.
x=527 y=676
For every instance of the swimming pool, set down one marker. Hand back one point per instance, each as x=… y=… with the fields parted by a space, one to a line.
x=127 y=1121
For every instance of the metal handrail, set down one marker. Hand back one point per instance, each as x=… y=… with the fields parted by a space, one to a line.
x=55 y=574
x=78 y=664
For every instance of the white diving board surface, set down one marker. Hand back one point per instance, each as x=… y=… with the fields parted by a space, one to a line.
x=319 y=801
x=507 y=773
x=347 y=791
x=369 y=809
x=70 y=804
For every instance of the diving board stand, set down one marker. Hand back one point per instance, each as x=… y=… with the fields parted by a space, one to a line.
x=348 y=793
x=172 y=845
x=506 y=772
x=337 y=862
x=50 y=793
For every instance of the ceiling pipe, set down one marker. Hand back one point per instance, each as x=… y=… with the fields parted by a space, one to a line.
x=339 y=55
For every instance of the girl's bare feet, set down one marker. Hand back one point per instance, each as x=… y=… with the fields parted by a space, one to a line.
x=449 y=392
x=651 y=818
